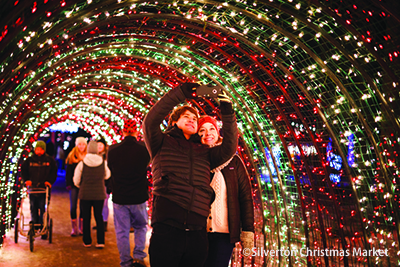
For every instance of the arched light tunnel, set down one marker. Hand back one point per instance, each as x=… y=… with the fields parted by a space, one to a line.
x=314 y=86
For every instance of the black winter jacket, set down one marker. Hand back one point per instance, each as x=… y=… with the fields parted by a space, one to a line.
x=181 y=167
x=128 y=162
x=39 y=170
x=239 y=198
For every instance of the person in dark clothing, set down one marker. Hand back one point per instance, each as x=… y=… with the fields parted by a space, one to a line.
x=50 y=149
x=232 y=210
x=89 y=176
x=39 y=171
x=102 y=150
x=74 y=157
x=181 y=177
x=128 y=162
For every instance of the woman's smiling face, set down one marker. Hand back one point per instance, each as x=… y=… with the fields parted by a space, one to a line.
x=209 y=134
x=81 y=147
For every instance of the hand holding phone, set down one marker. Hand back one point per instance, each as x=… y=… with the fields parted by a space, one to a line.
x=209 y=91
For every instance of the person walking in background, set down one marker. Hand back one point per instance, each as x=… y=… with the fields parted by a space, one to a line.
x=181 y=177
x=60 y=157
x=128 y=162
x=102 y=150
x=89 y=177
x=39 y=171
x=232 y=216
x=50 y=148
x=74 y=157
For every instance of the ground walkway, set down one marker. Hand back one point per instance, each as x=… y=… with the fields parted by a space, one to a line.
x=64 y=250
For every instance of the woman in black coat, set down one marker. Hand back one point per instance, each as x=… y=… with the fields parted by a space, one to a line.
x=233 y=205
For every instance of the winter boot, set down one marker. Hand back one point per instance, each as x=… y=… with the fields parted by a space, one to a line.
x=138 y=263
x=74 y=231
x=80 y=226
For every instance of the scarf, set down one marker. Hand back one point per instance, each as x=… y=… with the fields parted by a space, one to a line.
x=219 y=208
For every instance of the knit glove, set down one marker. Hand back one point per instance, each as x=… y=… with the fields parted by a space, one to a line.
x=247 y=240
x=189 y=89
x=223 y=97
x=226 y=108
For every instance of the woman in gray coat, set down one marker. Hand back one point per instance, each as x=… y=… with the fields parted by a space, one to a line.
x=89 y=176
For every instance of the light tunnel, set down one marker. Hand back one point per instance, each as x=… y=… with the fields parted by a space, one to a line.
x=314 y=86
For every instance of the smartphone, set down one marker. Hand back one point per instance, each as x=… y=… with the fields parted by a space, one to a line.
x=209 y=91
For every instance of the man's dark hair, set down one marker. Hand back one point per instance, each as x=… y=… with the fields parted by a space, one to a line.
x=177 y=112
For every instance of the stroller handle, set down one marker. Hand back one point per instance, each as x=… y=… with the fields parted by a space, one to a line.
x=33 y=190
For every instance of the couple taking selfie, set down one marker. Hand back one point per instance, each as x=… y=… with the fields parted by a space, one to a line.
x=202 y=200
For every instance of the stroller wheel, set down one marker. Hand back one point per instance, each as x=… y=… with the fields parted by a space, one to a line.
x=31 y=234
x=51 y=231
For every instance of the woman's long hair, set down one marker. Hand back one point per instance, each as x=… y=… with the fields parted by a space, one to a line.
x=75 y=155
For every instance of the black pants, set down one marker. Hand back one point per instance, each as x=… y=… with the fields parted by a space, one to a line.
x=173 y=247
x=86 y=208
x=38 y=202
x=219 y=250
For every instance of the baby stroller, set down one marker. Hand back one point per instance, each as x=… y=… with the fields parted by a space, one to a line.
x=31 y=230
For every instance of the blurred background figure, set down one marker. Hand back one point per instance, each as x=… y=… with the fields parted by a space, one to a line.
x=60 y=157
x=102 y=151
x=128 y=161
x=89 y=176
x=74 y=157
x=39 y=171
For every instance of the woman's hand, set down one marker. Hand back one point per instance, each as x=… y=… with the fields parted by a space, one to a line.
x=247 y=241
x=224 y=97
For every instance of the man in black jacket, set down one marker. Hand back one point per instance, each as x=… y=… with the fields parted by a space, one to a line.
x=181 y=177
x=128 y=162
x=38 y=171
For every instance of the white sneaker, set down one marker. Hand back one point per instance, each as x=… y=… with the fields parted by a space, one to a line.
x=87 y=246
x=99 y=245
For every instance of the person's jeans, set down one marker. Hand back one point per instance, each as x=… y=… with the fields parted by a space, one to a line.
x=86 y=208
x=219 y=250
x=105 y=208
x=37 y=202
x=173 y=247
x=125 y=217
x=73 y=200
